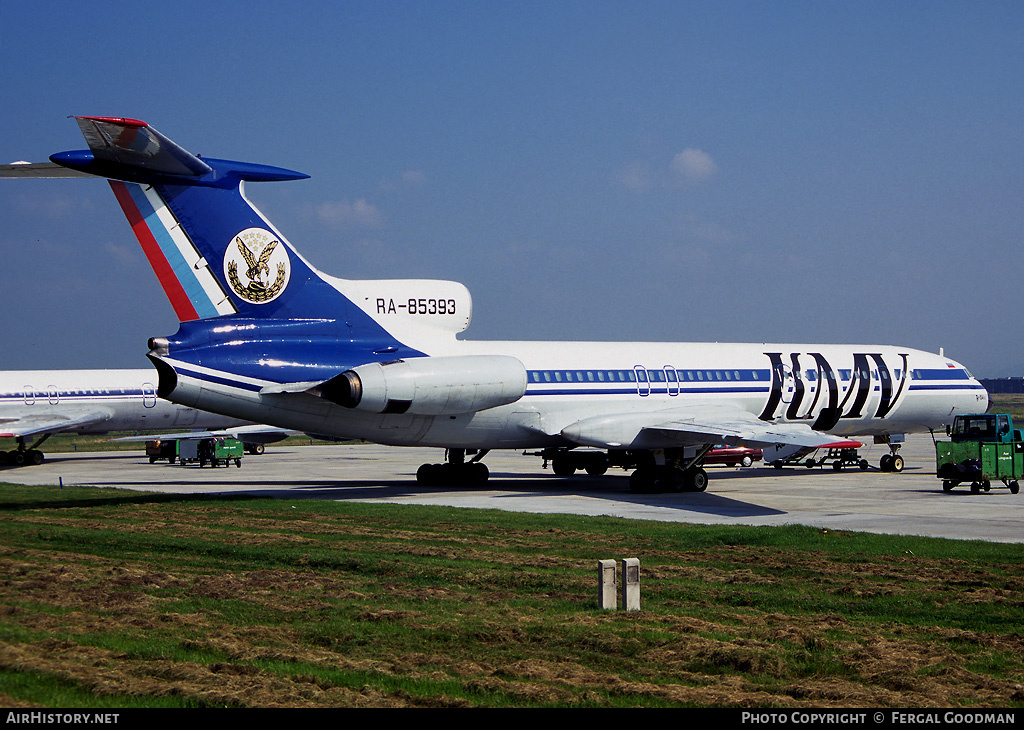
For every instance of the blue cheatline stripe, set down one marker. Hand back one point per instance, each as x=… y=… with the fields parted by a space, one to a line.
x=43 y=399
x=947 y=387
x=633 y=391
x=182 y=271
x=220 y=380
x=939 y=374
x=697 y=391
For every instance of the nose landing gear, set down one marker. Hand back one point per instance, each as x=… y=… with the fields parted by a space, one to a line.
x=891 y=462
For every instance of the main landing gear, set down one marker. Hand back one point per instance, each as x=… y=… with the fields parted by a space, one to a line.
x=674 y=474
x=22 y=456
x=677 y=474
x=455 y=471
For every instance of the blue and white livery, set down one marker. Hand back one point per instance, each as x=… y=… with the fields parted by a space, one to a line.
x=266 y=337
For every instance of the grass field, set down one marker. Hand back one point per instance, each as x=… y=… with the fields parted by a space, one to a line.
x=118 y=599
x=1012 y=403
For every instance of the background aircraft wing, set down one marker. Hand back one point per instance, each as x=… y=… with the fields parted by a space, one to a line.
x=693 y=425
x=254 y=434
x=51 y=422
x=40 y=170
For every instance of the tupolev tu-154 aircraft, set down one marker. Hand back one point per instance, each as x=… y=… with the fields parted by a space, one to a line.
x=266 y=337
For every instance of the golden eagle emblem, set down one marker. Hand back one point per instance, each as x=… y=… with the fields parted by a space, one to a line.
x=258 y=254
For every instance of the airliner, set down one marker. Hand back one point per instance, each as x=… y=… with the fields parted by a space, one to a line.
x=36 y=404
x=266 y=337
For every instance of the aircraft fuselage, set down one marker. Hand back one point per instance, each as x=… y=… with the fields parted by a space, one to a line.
x=838 y=389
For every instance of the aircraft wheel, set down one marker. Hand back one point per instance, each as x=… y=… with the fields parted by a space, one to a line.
x=698 y=480
x=4 y=458
x=429 y=474
x=563 y=467
x=255 y=449
x=641 y=481
x=35 y=457
x=669 y=479
x=18 y=458
x=885 y=464
x=477 y=473
x=896 y=464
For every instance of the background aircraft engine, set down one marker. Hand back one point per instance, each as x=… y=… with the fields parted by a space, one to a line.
x=430 y=386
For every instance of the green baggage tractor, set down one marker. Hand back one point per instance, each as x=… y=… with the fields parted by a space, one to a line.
x=216 y=451
x=983 y=448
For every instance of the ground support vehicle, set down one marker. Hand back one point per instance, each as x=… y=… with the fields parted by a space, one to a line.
x=839 y=457
x=216 y=451
x=843 y=457
x=157 y=449
x=983 y=448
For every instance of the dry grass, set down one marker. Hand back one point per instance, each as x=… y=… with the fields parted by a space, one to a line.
x=273 y=604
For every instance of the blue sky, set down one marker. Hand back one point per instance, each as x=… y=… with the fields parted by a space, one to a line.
x=678 y=171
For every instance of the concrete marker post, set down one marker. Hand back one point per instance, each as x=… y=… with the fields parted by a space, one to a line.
x=607 y=598
x=631 y=584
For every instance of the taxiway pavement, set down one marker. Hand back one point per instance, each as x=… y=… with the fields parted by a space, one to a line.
x=909 y=503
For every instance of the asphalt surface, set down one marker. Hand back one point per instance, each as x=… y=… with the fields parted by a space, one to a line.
x=909 y=503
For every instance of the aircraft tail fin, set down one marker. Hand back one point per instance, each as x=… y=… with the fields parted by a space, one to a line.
x=213 y=252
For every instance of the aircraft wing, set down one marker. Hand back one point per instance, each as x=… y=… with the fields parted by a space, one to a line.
x=255 y=434
x=51 y=422
x=693 y=425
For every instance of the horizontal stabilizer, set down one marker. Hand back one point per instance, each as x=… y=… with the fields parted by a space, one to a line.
x=135 y=144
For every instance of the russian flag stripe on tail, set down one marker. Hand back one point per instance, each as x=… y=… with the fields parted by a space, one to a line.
x=191 y=288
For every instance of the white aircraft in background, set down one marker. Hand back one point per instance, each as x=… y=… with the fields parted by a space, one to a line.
x=35 y=404
x=266 y=337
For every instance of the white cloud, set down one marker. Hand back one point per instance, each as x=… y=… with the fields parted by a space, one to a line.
x=406 y=180
x=345 y=214
x=635 y=176
x=694 y=165
x=414 y=178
